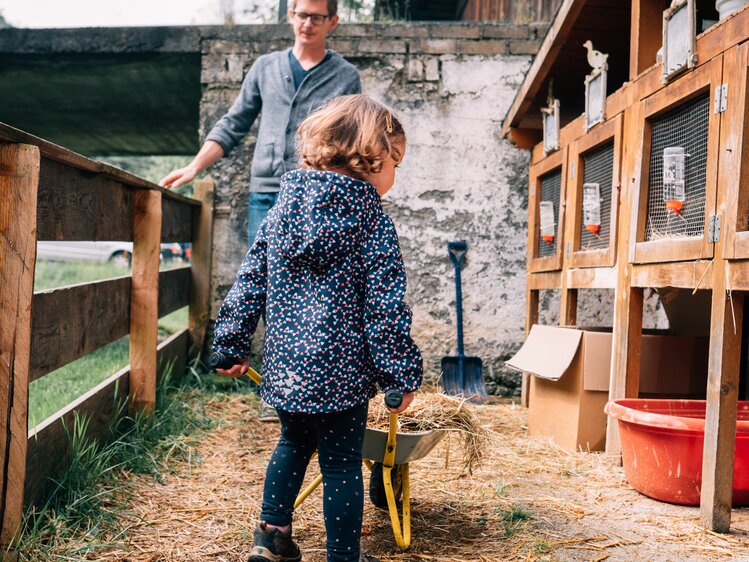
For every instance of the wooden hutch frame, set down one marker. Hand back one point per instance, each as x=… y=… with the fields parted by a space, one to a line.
x=719 y=263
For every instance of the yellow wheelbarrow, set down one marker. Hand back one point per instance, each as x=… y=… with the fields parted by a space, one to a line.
x=386 y=453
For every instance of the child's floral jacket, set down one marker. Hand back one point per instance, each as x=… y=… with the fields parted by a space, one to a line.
x=327 y=273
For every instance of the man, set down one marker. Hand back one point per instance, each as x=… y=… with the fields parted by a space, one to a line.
x=285 y=86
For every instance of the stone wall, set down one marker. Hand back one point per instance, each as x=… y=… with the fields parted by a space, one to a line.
x=451 y=84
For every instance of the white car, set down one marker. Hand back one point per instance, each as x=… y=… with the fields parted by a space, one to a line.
x=119 y=253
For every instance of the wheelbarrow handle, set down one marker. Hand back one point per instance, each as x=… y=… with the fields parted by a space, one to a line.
x=393 y=398
x=218 y=360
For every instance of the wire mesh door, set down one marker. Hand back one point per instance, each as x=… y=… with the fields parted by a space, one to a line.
x=598 y=167
x=551 y=187
x=677 y=191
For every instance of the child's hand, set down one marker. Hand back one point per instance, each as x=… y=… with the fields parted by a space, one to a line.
x=407 y=399
x=237 y=370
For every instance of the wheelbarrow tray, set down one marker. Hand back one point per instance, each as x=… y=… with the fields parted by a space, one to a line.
x=408 y=446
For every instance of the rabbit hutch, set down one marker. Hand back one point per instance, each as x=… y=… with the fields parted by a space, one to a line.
x=637 y=118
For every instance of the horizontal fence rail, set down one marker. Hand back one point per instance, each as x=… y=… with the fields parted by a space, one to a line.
x=69 y=197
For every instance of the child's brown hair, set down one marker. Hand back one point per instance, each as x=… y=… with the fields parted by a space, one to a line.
x=354 y=134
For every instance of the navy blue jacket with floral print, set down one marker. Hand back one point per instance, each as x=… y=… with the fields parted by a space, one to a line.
x=326 y=271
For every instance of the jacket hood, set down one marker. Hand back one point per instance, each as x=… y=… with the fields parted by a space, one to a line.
x=321 y=215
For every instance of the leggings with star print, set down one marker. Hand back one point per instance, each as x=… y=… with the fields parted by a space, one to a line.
x=337 y=437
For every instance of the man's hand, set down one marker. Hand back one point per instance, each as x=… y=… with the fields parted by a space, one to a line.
x=210 y=153
x=179 y=177
x=237 y=370
x=407 y=399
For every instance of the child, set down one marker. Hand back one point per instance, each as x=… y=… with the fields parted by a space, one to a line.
x=326 y=270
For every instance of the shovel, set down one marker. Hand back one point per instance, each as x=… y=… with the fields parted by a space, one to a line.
x=462 y=375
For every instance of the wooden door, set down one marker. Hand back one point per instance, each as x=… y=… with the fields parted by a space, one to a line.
x=547 y=186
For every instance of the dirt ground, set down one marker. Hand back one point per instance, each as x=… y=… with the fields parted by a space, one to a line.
x=529 y=501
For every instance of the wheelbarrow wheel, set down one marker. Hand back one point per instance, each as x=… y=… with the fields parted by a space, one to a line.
x=377 y=486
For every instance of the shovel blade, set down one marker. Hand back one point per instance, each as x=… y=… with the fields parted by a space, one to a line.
x=470 y=385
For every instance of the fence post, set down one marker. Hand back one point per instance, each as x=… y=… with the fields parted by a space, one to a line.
x=19 y=180
x=144 y=303
x=202 y=252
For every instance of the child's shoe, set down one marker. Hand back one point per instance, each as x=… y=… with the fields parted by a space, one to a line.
x=271 y=545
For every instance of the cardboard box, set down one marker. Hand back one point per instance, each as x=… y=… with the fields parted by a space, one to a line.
x=571 y=369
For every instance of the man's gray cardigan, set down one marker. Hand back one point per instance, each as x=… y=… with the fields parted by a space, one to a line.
x=269 y=87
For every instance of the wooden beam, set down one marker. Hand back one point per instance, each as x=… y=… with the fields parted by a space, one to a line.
x=76 y=204
x=72 y=159
x=176 y=223
x=19 y=178
x=627 y=324
x=525 y=138
x=70 y=322
x=726 y=321
x=531 y=318
x=545 y=58
x=682 y=275
x=144 y=301
x=174 y=289
x=722 y=404
x=49 y=443
x=201 y=260
x=646 y=35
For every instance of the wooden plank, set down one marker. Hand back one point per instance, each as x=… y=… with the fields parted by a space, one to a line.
x=646 y=32
x=682 y=275
x=49 y=444
x=176 y=225
x=68 y=158
x=734 y=153
x=674 y=248
x=592 y=278
x=738 y=275
x=174 y=289
x=722 y=405
x=19 y=178
x=70 y=322
x=627 y=322
x=201 y=260
x=724 y=362
x=81 y=205
x=545 y=58
x=545 y=280
x=531 y=318
x=144 y=300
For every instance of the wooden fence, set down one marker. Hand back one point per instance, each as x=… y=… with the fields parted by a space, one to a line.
x=50 y=193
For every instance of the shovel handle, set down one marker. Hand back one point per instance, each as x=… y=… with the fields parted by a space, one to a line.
x=457 y=251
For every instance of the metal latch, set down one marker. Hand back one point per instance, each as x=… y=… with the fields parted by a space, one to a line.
x=568 y=249
x=713 y=229
x=721 y=98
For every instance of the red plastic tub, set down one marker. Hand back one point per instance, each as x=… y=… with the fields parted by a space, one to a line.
x=662 y=444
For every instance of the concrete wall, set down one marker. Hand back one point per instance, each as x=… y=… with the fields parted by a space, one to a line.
x=451 y=84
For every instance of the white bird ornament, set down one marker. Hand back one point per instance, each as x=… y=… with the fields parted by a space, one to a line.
x=596 y=59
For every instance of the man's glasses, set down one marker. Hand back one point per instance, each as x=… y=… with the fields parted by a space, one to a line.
x=316 y=19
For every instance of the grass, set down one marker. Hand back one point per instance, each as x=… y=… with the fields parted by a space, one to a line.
x=80 y=515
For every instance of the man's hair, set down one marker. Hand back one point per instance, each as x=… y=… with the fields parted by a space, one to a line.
x=332 y=6
x=354 y=134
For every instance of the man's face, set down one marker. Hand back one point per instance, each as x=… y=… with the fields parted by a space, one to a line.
x=307 y=32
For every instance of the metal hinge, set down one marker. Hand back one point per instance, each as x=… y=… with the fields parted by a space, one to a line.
x=713 y=229
x=721 y=98
x=568 y=249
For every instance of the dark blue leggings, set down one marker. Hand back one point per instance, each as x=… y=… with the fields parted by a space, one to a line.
x=338 y=438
